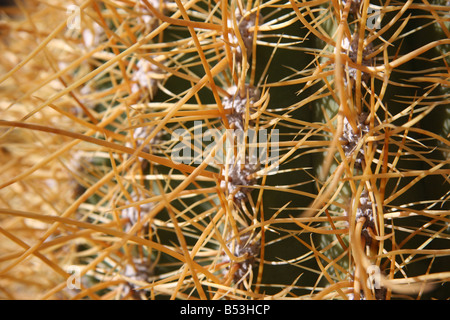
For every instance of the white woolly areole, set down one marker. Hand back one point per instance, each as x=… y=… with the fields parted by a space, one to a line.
x=247 y=246
x=350 y=139
x=142 y=76
x=238 y=174
x=244 y=22
x=351 y=49
x=238 y=104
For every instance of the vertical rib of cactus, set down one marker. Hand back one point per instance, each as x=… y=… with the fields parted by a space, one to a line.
x=360 y=192
x=355 y=148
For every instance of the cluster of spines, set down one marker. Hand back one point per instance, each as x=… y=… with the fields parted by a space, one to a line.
x=238 y=179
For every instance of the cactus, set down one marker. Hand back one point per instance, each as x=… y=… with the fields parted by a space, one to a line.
x=216 y=150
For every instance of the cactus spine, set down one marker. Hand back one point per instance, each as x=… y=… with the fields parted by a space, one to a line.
x=225 y=149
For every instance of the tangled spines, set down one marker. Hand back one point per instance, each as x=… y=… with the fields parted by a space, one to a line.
x=145 y=79
x=350 y=47
x=238 y=105
x=147 y=18
x=93 y=35
x=351 y=139
x=379 y=294
x=245 y=246
x=245 y=23
x=238 y=175
x=139 y=136
x=238 y=169
x=140 y=271
x=354 y=7
x=136 y=213
x=364 y=210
